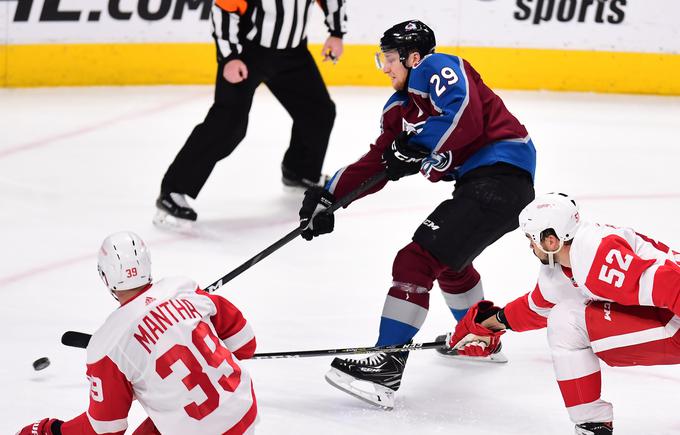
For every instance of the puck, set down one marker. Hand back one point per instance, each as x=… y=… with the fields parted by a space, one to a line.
x=41 y=363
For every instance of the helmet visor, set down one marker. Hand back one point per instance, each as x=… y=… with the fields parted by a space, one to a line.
x=386 y=58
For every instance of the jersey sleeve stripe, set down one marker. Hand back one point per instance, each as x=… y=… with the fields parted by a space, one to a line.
x=389 y=106
x=225 y=28
x=646 y=287
x=105 y=427
x=538 y=303
x=460 y=112
x=543 y=312
x=333 y=182
x=238 y=340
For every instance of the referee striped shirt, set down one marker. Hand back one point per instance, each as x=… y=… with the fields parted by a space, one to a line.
x=276 y=24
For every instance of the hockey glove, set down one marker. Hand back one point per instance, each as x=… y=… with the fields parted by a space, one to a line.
x=403 y=158
x=317 y=199
x=46 y=426
x=471 y=338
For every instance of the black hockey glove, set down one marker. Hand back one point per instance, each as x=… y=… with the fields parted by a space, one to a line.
x=403 y=158
x=317 y=199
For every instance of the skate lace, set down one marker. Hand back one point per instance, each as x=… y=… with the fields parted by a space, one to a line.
x=179 y=199
x=369 y=360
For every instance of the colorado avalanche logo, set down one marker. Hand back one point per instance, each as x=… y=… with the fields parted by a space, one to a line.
x=409 y=127
x=410 y=26
x=439 y=162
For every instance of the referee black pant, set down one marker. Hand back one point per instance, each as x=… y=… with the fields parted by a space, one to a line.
x=294 y=79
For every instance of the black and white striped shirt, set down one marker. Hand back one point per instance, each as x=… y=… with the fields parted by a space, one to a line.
x=270 y=23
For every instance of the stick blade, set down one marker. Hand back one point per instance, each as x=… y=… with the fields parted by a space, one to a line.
x=75 y=339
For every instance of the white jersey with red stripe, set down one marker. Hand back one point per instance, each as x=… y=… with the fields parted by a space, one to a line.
x=173 y=348
x=608 y=264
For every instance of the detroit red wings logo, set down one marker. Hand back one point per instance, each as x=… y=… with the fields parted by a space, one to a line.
x=149 y=300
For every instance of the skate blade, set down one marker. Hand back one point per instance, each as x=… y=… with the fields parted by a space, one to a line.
x=165 y=221
x=380 y=396
x=498 y=358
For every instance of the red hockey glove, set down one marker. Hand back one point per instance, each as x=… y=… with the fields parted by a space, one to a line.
x=470 y=337
x=46 y=426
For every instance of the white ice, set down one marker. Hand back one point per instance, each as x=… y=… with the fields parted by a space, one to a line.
x=79 y=163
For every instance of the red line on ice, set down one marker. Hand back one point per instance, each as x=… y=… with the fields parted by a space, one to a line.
x=49 y=267
x=97 y=126
x=274 y=222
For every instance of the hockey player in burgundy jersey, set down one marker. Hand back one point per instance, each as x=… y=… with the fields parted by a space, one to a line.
x=171 y=346
x=604 y=293
x=445 y=123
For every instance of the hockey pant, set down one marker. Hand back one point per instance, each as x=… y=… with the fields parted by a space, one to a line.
x=484 y=207
x=581 y=335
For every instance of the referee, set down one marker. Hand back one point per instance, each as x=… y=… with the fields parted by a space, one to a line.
x=258 y=41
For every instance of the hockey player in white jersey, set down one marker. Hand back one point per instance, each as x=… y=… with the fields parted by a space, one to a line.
x=171 y=346
x=604 y=293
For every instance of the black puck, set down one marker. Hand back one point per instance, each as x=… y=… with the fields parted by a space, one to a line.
x=41 y=363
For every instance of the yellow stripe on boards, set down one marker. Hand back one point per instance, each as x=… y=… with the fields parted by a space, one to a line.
x=110 y=64
x=576 y=70
x=3 y=65
x=181 y=63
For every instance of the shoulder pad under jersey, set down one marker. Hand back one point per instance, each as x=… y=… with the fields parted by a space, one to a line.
x=396 y=99
x=421 y=74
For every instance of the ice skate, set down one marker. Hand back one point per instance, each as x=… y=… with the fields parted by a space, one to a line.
x=294 y=183
x=173 y=212
x=594 y=429
x=496 y=357
x=373 y=379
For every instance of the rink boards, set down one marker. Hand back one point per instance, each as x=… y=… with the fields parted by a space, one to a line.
x=577 y=45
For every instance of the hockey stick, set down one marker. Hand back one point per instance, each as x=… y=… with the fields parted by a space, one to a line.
x=342 y=202
x=350 y=350
x=81 y=340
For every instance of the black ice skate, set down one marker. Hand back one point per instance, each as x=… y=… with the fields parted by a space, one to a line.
x=594 y=429
x=294 y=182
x=174 y=212
x=373 y=379
x=496 y=357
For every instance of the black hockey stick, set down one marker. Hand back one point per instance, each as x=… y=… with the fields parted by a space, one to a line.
x=81 y=340
x=342 y=202
x=350 y=350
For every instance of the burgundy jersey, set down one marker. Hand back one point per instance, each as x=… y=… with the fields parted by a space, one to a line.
x=454 y=116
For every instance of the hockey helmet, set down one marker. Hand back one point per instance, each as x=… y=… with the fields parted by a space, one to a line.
x=406 y=37
x=124 y=262
x=556 y=211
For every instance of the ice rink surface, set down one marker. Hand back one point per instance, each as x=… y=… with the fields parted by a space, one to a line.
x=79 y=163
